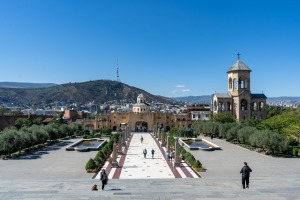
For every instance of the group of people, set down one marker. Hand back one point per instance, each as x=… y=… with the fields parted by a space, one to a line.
x=245 y=171
x=169 y=155
x=145 y=150
x=145 y=153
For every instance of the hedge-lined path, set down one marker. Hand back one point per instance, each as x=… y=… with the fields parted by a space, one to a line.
x=58 y=174
x=133 y=165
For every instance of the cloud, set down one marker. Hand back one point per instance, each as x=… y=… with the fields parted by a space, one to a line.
x=180 y=88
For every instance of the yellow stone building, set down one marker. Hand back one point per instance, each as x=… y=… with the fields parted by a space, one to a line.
x=239 y=101
x=140 y=119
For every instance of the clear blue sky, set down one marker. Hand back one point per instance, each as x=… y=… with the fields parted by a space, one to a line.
x=171 y=48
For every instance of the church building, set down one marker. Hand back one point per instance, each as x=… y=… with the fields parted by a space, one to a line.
x=239 y=101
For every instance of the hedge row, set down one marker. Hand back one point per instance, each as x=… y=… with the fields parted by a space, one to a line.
x=95 y=164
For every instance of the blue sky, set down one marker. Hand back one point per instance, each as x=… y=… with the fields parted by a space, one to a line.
x=171 y=48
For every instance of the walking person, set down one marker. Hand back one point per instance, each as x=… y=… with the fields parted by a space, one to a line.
x=245 y=171
x=103 y=178
x=145 y=153
x=142 y=139
x=167 y=155
x=152 y=152
x=171 y=155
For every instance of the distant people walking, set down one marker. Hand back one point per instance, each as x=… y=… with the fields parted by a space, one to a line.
x=145 y=153
x=152 y=152
x=245 y=171
x=142 y=139
x=167 y=155
x=103 y=178
x=171 y=155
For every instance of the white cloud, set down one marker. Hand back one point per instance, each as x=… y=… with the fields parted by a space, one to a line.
x=185 y=90
x=180 y=88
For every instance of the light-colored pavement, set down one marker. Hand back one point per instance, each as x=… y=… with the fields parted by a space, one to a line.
x=272 y=178
x=136 y=166
x=52 y=162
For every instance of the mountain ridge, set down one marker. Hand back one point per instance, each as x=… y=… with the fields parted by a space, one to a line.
x=98 y=91
x=25 y=85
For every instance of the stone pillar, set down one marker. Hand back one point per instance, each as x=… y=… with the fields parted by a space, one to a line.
x=176 y=156
x=128 y=131
x=125 y=133
x=168 y=143
x=120 y=144
x=162 y=139
x=159 y=134
x=114 y=162
x=123 y=139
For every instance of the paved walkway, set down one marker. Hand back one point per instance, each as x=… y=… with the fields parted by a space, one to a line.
x=41 y=176
x=133 y=165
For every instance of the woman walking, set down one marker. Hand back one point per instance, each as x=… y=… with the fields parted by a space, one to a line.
x=103 y=178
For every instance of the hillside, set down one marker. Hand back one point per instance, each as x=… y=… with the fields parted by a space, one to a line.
x=99 y=91
x=204 y=99
x=25 y=85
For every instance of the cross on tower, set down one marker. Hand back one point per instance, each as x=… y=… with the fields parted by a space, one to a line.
x=238 y=54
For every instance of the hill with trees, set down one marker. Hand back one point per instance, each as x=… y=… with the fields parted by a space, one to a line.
x=98 y=91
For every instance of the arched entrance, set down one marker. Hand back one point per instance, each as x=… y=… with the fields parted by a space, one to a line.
x=90 y=127
x=141 y=126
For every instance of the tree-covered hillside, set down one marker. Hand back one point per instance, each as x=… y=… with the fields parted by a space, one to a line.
x=98 y=91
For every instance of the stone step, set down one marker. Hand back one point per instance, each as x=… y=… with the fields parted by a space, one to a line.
x=260 y=188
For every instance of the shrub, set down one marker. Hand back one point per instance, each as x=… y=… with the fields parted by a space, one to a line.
x=294 y=151
x=90 y=164
x=197 y=164
x=100 y=155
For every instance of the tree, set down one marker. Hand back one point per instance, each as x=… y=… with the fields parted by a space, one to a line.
x=58 y=118
x=185 y=132
x=293 y=129
x=3 y=110
x=231 y=134
x=245 y=133
x=223 y=118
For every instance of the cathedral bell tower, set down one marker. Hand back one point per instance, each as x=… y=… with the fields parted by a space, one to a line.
x=239 y=89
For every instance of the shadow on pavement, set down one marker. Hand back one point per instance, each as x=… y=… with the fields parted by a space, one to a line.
x=36 y=154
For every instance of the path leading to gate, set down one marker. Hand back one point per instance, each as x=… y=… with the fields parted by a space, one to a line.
x=133 y=165
x=54 y=173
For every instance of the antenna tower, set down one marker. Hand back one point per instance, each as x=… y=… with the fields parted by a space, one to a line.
x=118 y=77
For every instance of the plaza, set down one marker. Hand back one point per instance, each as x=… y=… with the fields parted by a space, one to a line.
x=53 y=173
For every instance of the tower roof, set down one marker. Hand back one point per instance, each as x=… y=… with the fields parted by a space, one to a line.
x=239 y=66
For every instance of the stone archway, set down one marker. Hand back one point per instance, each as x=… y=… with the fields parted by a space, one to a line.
x=141 y=126
x=90 y=127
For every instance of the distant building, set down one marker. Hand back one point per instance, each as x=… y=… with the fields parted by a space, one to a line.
x=140 y=119
x=141 y=106
x=73 y=115
x=199 y=112
x=239 y=101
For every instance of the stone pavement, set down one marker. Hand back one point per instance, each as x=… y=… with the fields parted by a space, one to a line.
x=272 y=178
x=133 y=165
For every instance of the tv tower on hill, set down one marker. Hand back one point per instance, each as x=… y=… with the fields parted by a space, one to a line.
x=118 y=77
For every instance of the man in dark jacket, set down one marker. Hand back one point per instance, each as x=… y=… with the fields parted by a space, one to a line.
x=245 y=171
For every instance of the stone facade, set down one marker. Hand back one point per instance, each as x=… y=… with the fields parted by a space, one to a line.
x=141 y=119
x=239 y=101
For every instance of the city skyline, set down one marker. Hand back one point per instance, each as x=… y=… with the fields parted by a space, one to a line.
x=168 y=48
